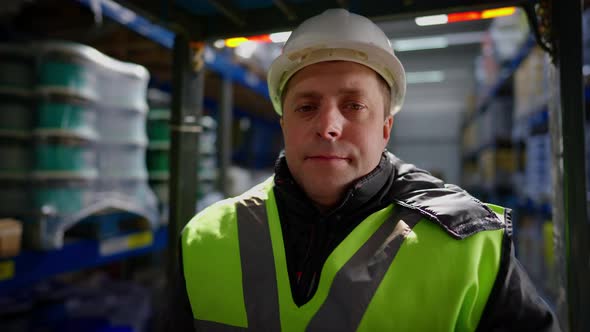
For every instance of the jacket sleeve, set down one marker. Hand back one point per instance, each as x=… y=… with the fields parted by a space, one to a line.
x=175 y=312
x=515 y=304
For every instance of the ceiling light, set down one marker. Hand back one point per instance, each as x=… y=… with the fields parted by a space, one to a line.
x=414 y=44
x=464 y=16
x=431 y=20
x=235 y=42
x=280 y=37
x=491 y=13
x=246 y=49
x=438 y=41
x=434 y=76
x=219 y=43
x=260 y=38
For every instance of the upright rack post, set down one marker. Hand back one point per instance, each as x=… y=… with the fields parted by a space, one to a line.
x=225 y=133
x=187 y=104
x=570 y=163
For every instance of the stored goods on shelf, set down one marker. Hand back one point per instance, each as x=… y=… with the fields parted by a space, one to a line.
x=66 y=115
x=531 y=84
x=47 y=114
x=497 y=164
x=76 y=138
x=496 y=122
x=122 y=161
x=57 y=157
x=10 y=237
x=538 y=185
x=120 y=126
x=158 y=125
x=80 y=68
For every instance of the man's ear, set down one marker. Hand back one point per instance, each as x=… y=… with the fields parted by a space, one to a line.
x=387 y=125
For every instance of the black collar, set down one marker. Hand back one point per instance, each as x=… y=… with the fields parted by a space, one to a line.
x=366 y=195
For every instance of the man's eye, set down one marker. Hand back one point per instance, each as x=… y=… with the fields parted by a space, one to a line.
x=355 y=106
x=305 y=108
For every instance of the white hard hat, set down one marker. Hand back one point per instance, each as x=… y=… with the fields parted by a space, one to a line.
x=337 y=34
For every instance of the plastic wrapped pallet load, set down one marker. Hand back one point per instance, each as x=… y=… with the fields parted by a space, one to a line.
x=75 y=119
x=74 y=67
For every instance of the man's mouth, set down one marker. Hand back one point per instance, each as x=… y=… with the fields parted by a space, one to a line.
x=327 y=158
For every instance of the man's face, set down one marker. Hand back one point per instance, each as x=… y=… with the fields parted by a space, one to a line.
x=334 y=127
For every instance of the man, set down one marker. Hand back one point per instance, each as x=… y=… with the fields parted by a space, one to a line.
x=345 y=236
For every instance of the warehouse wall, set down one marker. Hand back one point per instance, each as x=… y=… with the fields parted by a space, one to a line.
x=427 y=131
x=436 y=149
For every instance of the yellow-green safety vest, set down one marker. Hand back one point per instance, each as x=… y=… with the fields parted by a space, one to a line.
x=394 y=272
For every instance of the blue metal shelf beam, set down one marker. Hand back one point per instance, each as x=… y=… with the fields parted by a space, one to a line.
x=34 y=266
x=131 y=20
x=216 y=61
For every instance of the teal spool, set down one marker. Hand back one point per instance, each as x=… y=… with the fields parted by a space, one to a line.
x=158 y=127
x=63 y=199
x=65 y=158
x=158 y=161
x=69 y=118
x=67 y=75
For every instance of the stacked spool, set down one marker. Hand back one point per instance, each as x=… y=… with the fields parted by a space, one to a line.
x=158 y=155
x=72 y=122
x=157 y=159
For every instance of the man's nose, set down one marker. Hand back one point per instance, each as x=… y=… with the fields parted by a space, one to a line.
x=329 y=122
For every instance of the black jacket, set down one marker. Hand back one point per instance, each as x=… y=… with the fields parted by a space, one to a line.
x=310 y=236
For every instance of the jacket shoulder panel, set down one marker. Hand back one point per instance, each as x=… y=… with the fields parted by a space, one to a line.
x=455 y=210
x=459 y=214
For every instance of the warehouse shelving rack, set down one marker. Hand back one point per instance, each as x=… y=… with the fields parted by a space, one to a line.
x=33 y=266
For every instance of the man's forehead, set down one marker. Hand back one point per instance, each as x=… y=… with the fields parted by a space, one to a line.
x=343 y=91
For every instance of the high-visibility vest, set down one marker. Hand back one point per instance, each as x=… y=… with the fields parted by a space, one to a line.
x=394 y=272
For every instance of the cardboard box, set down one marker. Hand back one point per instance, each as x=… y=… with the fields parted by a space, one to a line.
x=10 y=237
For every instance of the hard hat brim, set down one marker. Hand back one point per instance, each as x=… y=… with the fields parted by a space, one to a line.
x=386 y=64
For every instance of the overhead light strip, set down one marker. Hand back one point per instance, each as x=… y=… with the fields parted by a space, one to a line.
x=420 y=77
x=415 y=44
x=278 y=37
x=464 y=16
x=432 y=20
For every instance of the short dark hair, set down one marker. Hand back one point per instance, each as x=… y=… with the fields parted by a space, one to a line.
x=386 y=93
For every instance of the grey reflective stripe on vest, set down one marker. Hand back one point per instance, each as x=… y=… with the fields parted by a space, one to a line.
x=350 y=293
x=258 y=266
x=356 y=283
x=258 y=271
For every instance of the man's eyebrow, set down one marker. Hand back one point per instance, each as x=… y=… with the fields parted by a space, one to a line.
x=307 y=94
x=350 y=91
